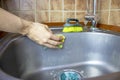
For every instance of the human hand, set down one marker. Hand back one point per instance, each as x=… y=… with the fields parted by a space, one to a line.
x=42 y=35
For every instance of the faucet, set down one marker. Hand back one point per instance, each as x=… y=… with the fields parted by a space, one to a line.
x=93 y=18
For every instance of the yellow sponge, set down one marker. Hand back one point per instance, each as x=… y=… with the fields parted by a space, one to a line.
x=63 y=40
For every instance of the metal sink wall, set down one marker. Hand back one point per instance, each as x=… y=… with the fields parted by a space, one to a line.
x=92 y=54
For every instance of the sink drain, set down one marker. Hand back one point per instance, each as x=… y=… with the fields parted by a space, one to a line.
x=69 y=75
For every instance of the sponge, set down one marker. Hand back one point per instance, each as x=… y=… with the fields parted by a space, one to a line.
x=63 y=40
x=68 y=27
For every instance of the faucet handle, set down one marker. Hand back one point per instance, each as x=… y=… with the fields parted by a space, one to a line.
x=94 y=23
x=89 y=17
x=92 y=17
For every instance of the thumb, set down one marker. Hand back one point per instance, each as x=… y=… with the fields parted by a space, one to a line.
x=48 y=29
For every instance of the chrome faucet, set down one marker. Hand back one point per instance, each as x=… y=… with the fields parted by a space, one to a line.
x=93 y=18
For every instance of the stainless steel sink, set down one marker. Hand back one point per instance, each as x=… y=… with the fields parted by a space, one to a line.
x=94 y=55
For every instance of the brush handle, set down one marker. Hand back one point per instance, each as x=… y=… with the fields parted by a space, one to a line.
x=68 y=24
x=72 y=19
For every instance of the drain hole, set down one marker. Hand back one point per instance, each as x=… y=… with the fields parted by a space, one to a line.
x=69 y=75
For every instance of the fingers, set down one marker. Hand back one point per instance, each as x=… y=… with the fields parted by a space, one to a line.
x=50 y=46
x=48 y=42
x=57 y=38
x=51 y=43
x=55 y=43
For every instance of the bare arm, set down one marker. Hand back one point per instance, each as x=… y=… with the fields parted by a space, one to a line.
x=11 y=23
x=37 y=32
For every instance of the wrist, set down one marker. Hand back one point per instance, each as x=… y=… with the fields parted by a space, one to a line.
x=26 y=25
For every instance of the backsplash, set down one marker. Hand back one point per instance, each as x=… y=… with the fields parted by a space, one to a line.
x=59 y=10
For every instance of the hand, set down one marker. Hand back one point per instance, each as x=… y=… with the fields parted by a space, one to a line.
x=41 y=34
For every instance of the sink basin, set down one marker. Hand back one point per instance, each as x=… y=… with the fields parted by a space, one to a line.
x=94 y=55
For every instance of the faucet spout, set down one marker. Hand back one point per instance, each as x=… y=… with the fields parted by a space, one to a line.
x=93 y=18
x=94 y=6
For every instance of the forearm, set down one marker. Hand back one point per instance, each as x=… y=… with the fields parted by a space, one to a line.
x=37 y=32
x=12 y=23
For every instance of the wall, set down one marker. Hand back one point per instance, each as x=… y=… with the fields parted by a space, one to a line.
x=59 y=10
